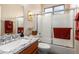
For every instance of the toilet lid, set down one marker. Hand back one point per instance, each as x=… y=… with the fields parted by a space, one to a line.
x=44 y=45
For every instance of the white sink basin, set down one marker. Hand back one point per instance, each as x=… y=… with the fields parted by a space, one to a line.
x=13 y=45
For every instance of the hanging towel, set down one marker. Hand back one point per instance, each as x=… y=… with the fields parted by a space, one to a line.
x=20 y=30
x=8 y=26
x=77 y=35
x=77 y=30
x=62 y=33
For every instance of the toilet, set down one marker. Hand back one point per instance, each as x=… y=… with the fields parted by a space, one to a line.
x=44 y=48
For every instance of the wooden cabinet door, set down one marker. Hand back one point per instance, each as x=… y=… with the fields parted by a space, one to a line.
x=32 y=49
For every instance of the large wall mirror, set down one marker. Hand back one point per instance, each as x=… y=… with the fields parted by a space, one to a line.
x=0 y=26
x=20 y=24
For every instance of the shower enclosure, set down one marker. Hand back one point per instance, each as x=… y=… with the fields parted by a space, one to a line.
x=58 y=28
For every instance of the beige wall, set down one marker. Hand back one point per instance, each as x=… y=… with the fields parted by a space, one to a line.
x=10 y=12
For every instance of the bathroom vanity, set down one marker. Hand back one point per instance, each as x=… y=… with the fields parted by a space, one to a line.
x=32 y=49
x=27 y=45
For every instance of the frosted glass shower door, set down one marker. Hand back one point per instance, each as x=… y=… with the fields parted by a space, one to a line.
x=46 y=28
x=39 y=24
x=63 y=21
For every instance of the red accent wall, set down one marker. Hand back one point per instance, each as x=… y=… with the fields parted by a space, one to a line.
x=20 y=29
x=8 y=27
x=62 y=33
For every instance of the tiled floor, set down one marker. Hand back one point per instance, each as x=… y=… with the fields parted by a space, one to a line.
x=59 y=50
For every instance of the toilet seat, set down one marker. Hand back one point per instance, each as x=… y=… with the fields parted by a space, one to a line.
x=43 y=46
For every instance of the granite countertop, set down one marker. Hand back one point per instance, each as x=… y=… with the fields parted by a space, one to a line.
x=17 y=45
